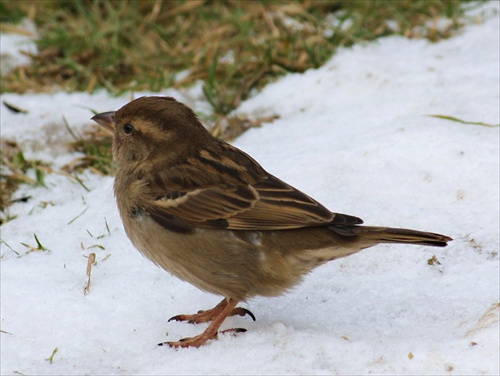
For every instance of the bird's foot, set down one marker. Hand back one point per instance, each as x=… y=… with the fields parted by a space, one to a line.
x=201 y=339
x=217 y=315
x=211 y=314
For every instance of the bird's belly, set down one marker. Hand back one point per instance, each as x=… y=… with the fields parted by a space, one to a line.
x=239 y=266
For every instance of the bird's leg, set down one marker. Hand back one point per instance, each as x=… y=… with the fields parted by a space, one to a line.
x=211 y=314
x=217 y=315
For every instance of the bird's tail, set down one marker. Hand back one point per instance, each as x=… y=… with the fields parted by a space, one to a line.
x=377 y=235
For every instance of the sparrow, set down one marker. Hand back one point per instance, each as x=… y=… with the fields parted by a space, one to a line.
x=209 y=214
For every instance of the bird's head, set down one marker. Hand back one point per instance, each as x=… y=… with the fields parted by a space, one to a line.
x=153 y=127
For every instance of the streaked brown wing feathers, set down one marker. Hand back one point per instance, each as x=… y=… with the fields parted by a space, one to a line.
x=208 y=204
x=210 y=192
x=266 y=206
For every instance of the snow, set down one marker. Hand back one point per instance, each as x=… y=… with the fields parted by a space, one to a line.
x=355 y=135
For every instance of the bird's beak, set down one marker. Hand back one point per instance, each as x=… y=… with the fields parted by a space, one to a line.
x=106 y=120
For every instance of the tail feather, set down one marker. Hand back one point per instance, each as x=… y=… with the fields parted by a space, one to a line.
x=394 y=235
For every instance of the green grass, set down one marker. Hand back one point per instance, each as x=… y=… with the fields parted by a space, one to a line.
x=11 y=12
x=232 y=46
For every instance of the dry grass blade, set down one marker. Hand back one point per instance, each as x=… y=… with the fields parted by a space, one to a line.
x=457 y=120
x=90 y=262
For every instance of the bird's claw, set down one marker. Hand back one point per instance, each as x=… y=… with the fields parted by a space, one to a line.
x=200 y=339
x=206 y=316
x=243 y=311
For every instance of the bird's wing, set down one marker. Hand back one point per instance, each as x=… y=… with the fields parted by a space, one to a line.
x=217 y=191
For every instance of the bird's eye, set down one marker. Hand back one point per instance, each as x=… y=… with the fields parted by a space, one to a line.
x=128 y=128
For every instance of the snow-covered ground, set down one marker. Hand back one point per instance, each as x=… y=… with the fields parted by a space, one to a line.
x=355 y=135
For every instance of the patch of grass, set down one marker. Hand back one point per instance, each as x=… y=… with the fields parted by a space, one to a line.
x=232 y=46
x=96 y=147
x=11 y=12
x=38 y=247
x=15 y=170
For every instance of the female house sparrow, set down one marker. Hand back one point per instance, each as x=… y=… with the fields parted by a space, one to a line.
x=212 y=216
